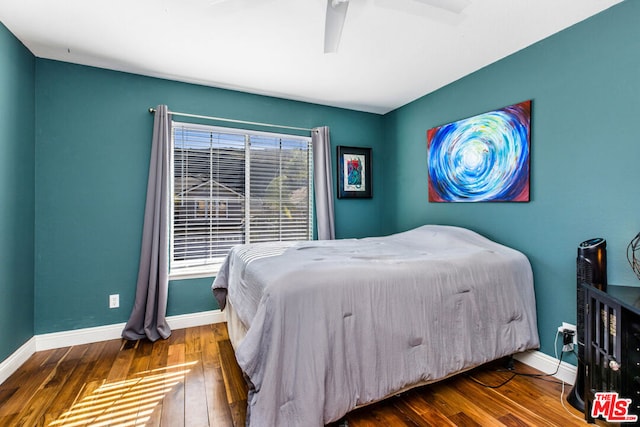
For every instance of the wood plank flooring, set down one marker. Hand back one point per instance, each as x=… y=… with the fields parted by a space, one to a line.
x=192 y=380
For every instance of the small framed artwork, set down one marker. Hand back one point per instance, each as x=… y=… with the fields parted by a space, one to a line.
x=354 y=172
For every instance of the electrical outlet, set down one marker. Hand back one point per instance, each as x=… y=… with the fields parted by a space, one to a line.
x=114 y=301
x=567 y=340
x=569 y=326
x=569 y=336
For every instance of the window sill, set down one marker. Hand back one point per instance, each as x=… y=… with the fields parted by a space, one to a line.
x=194 y=272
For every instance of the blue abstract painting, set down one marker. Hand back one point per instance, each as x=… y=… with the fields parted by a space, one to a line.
x=484 y=158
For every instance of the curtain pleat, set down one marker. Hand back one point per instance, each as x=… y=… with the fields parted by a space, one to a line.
x=323 y=183
x=148 y=317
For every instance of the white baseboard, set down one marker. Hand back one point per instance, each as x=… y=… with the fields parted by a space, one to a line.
x=96 y=334
x=78 y=336
x=16 y=359
x=542 y=362
x=110 y=332
x=196 y=319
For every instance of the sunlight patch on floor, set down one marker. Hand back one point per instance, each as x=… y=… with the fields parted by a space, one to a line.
x=124 y=403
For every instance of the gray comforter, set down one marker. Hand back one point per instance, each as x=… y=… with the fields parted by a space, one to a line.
x=333 y=325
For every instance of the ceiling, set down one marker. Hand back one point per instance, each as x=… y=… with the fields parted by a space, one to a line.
x=391 y=51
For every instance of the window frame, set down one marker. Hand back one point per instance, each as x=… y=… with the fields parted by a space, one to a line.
x=212 y=269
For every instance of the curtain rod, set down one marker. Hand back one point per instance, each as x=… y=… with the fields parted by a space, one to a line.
x=222 y=119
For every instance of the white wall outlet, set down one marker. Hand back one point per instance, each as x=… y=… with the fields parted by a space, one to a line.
x=114 y=301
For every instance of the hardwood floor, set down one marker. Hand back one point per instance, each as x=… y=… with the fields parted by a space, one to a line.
x=181 y=382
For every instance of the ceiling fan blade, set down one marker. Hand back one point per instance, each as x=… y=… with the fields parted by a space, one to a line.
x=455 y=6
x=334 y=21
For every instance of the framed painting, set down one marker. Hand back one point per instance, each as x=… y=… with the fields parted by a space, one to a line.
x=484 y=158
x=354 y=172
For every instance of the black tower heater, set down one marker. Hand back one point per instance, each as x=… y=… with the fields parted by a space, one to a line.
x=591 y=270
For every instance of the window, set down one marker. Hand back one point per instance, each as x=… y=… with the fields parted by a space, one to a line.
x=233 y=186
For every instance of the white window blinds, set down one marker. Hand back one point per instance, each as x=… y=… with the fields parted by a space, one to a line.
x=232 y=186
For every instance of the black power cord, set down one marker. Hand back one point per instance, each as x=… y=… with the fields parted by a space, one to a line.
x=541 y=377
x=510 y=368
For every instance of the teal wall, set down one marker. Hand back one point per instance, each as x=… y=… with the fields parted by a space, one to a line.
x=93 y=136
x=17 y=98
x=585 y=85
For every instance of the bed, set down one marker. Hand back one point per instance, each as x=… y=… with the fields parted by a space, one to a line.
x=322 y=327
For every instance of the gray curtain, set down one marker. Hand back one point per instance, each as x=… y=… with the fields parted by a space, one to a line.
x=323 y=183
x=147 y=318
